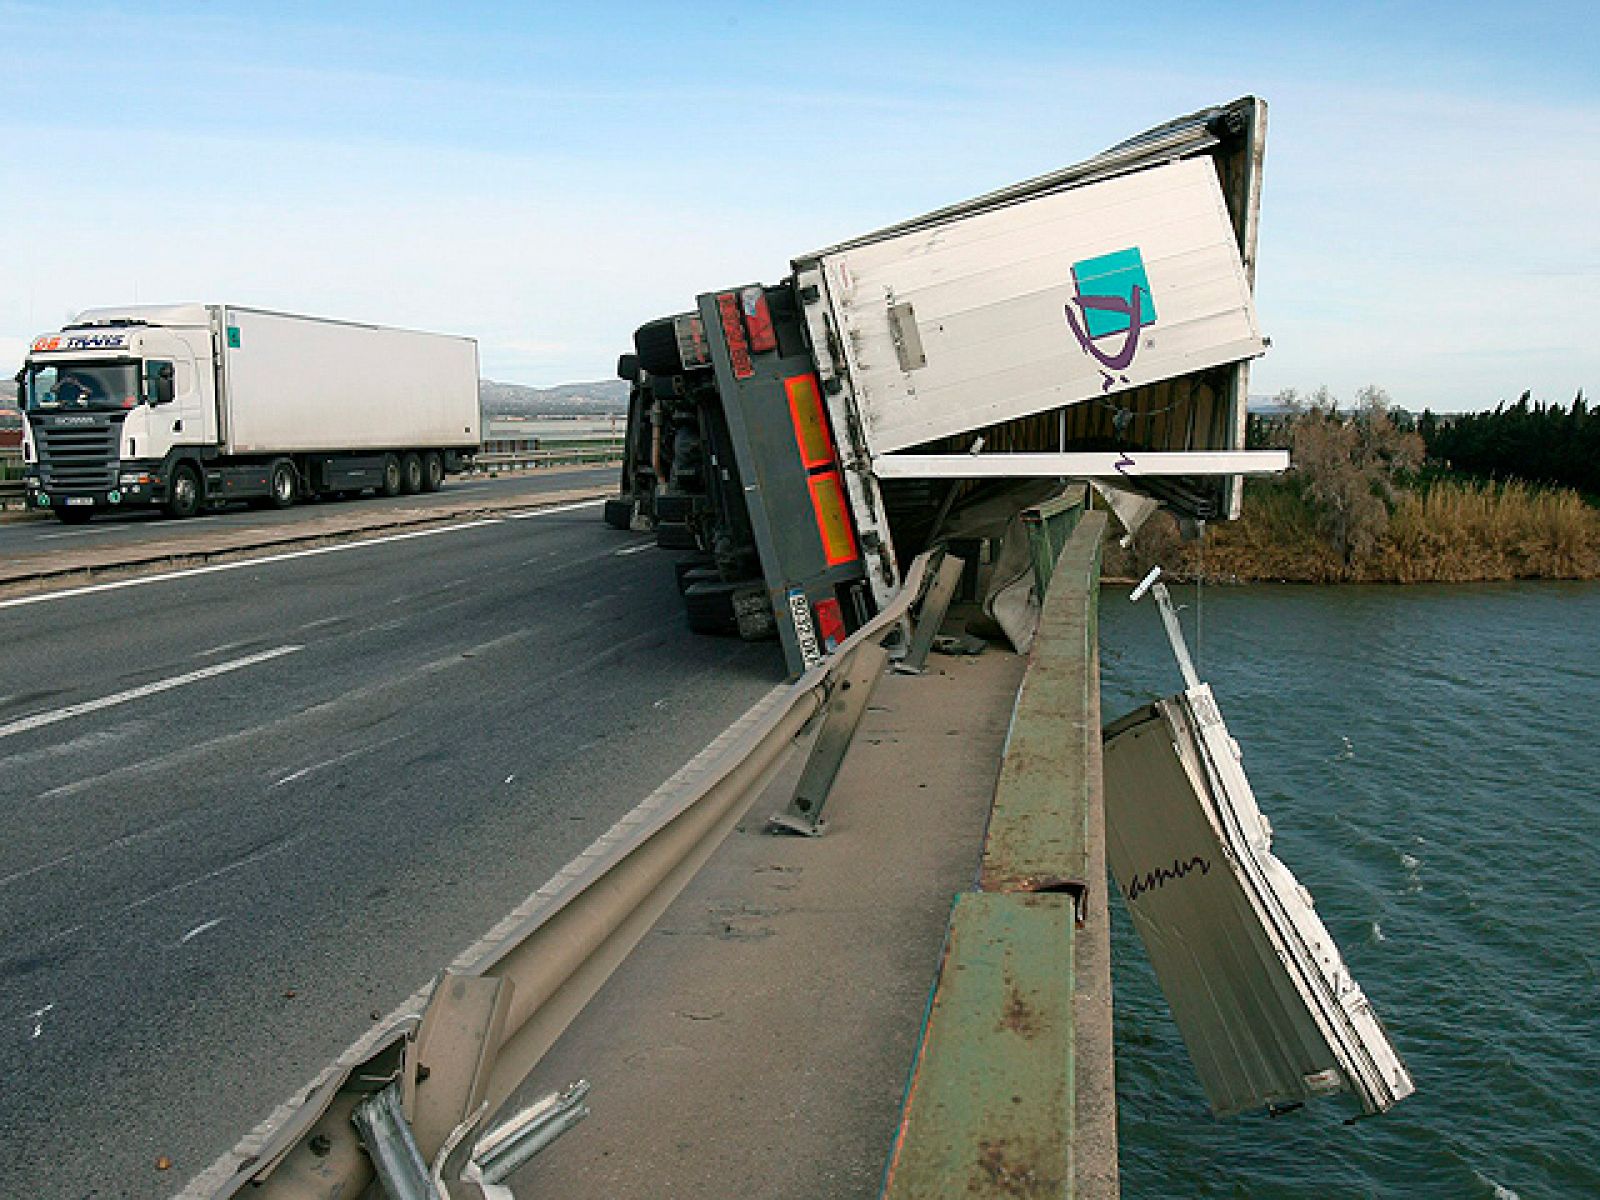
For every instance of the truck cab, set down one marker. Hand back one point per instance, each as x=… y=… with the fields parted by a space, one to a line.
x=110 y=406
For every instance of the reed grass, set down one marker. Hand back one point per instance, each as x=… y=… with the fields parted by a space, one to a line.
x=1443 y=531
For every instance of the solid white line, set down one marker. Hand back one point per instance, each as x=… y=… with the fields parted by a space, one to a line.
x=214 y=568
x=556 y=508
x=633 y=549
x=149 y=689
x=241 y=564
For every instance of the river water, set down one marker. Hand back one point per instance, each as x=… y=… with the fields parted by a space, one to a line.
x=1430 y=760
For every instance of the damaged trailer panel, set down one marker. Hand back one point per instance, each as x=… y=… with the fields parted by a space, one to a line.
x=1267 y=1008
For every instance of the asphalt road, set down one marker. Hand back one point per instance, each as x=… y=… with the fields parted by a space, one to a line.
x=35 y=534
x=247 y=811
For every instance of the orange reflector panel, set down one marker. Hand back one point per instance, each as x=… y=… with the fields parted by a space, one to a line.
x=810 y=422
x=833 y=519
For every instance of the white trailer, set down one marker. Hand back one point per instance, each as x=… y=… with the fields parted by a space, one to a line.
x=189 y=405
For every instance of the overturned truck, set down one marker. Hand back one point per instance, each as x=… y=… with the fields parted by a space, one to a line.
x=800 y=442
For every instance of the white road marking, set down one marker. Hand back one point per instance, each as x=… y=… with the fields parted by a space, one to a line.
x=241 y=564
x=47 y=537
x=553 y=509
x=334 y=761
x=209 y=1181
x=222 y=649
x=633 y=549
x=38 y=720
x=37 y=1017
x=199 y=929
x=265 y=560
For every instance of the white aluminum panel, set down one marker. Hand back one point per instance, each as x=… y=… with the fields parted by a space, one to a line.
x=1266 y=1006
x=299 y=384
x=990 y=293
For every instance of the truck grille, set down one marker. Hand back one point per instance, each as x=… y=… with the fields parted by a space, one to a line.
x=79 y=456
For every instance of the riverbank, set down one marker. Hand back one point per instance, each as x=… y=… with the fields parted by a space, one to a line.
x=1445 y=531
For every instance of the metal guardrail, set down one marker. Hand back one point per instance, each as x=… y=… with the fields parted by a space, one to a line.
x=1012 y=1090
x=528 y=459
x=493 y=1014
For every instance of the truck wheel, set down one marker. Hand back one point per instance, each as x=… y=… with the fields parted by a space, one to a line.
x=619 y=512
x=285 y=487
x=709 y=607
x=676 y=537
x=391 y=476
x=657 y=344
x=183 y=493
x=74 y=516
x=432 y=471
x=752 y=612
x=410 y=473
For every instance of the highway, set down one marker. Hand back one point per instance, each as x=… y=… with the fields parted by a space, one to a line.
x=32 y=535
x=247 y=811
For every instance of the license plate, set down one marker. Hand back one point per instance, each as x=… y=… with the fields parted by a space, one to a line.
x=77 y=501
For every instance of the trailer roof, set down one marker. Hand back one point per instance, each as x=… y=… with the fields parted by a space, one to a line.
x=1178 y=138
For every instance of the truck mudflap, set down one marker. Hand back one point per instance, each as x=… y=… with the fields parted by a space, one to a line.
x=1269 y=1012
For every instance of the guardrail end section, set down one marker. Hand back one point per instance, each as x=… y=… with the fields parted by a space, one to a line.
x=990 y=1111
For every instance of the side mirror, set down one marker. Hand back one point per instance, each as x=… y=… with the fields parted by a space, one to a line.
x=628 y=368
x=160 y=388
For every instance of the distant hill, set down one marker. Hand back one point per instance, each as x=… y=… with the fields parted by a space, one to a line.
x=565 y=399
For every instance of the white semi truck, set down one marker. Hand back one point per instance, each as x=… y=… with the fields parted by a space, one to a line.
x=186 y=406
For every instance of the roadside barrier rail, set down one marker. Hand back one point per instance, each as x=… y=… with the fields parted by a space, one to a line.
x=1012 y=1090
x=603 y=452
x=494 y=1013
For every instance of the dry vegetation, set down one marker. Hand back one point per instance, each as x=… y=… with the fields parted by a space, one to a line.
x=1354 y=510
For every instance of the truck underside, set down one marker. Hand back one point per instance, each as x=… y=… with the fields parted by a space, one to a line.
x=723 y=397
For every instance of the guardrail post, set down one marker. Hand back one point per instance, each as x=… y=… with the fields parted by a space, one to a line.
x=845 y=708
x=935 y=603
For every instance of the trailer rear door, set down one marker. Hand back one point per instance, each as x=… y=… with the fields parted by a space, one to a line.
x=1267 y=1008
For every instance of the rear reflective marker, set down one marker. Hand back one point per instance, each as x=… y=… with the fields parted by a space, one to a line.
x=810 y=423
x=833 y=518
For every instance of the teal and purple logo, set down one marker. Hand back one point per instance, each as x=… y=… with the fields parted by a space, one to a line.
x=1111 y=300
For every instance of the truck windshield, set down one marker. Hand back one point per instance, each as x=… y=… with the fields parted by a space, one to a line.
x=79 y=387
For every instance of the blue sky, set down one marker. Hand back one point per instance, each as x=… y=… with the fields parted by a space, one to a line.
x=547 y=177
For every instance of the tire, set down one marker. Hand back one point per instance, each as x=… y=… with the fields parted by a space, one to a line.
x=410 y=473
x=392 y=479
x=74 y=516
x=753 y=616
x=692 y=573
x=432 y=471
x=676 y=537
x=618 y=512
x=657 y=347
x=183 y=493
x=709 y=607
x=284 y=484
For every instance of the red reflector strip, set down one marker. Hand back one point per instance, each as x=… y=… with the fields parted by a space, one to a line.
x=733 y=333
x=810 y=422
x=758 y=319
x=833 y=518
x=830 y=624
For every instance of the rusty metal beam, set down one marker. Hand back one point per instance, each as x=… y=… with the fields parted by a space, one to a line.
x=1039 y=830
x=990 y=1107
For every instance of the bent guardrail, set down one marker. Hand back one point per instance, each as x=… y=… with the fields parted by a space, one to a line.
x=495 y=1011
